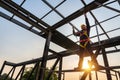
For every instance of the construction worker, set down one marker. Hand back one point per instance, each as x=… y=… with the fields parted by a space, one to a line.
x=84 y=41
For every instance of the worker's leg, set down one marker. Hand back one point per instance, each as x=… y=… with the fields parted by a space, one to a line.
x=94 y=60
x=80 y=62
x=81 y=57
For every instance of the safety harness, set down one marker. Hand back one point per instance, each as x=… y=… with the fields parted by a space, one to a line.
x=84 y=40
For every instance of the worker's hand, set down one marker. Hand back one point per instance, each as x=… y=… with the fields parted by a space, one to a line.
x=85 y=14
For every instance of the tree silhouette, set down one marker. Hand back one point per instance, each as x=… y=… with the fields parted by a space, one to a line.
x=4 y=77
x=33 y=76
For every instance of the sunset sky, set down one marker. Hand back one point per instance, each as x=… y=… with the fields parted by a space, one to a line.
x=18 y=45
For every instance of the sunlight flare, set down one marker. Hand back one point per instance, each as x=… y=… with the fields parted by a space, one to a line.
x=86 y=65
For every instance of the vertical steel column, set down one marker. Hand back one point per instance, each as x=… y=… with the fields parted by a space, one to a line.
x=52 y=69
x=2 y=68
x=119 y=75
x=116 y=75
x=12 y=73
x=90 y=76
x=8 y=73
x=96 y=75
x=19 y=73
x=60 y=69
x=106 y=64
x=33 y=70
x=63 y=75
x=97 y=33
x=118 y=1
x=44 y=59
x=22 y=72
x=37 y=72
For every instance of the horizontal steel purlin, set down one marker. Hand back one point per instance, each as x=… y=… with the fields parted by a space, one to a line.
x=81 y=11
x=8 y=6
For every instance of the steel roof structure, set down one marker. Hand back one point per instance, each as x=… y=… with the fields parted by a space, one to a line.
x=53 y=31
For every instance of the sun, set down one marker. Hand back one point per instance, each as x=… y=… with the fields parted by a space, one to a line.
x=85 y=64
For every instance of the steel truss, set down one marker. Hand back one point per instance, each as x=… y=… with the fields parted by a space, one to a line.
x=49 y=33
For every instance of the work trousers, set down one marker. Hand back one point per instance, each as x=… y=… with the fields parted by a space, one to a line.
x=82 y=53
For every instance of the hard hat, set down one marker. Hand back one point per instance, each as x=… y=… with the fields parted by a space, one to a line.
x=83 y=26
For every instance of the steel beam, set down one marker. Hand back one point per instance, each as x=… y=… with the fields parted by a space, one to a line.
x=105 y=73
x=30 y=15
x=59 y=13
x=110 y=42
x=118 y=1
x=52 y=69
x=97 y=33
x=116 y=75
x=110 y=2
x=106 y=32
x=63 y=76
x=22 y=72
x=57 y=38
x=7 y=17
x=100 y=23
x=37 y=71
x=78 y=13
x=96 y=74
x=53 y=8
x=55 y=56
x=16 y=78
x=34 y=31
x=90 y=76
x=60 y=69
x=93 y=69
x=116 y=10
x=106 y=65
x=106 y=43
x=8 y=73
x=10 y=63
x=37 y=64
x=45 y=55
x=10 y=6
x=20 y=6
x=12 y=73
x=55 y=53
x=2 y=68
x=119 y=75
x=106 y=20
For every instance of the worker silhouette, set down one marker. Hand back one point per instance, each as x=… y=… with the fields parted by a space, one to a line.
x=84 y=41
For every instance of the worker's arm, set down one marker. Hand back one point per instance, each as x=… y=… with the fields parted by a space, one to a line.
x=76 y=33
x=87 y=24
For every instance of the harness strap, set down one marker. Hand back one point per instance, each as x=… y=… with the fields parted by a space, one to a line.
x=85 y=40
x=84 y=46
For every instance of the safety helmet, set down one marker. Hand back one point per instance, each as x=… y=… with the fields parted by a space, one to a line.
x=83 y=26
